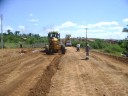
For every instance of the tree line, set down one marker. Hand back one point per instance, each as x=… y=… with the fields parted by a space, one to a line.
x=117 y=47
x=13 y=38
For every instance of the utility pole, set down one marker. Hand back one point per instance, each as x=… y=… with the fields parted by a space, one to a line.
x=86 y=36
x=87 y=47
x=2 y=32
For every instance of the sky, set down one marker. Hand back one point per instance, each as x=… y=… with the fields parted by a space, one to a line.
x=104 y=19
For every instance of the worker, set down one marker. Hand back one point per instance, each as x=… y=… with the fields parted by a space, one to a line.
x=20 y=45
x=78 y=47
x=87 y=52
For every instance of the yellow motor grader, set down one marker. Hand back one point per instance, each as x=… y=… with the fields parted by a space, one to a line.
x=54 y=45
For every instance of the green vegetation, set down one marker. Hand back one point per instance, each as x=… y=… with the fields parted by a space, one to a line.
x=14 y=39
x=75 y=42
x=112 y=47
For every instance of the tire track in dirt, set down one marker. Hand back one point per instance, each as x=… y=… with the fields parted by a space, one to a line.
x=22 y=75
x=10 y=66
x=90 y=83
x=42 y=87
x=111 y=66
x=102 y=80
x=12 y=55
x=93 y=77
x=66 y=81
x=13 y=62
x=70 y=79
x=112 y=74
x=115 y=58
x=33 y=76
x=17 y=76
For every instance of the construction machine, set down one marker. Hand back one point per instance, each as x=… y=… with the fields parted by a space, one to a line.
x=54 y=44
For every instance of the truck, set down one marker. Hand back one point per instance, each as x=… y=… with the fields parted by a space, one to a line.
x=68 y=40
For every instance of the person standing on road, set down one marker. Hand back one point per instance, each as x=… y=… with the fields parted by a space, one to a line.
x=20 y=45
x=87 y=51
x=78 y=47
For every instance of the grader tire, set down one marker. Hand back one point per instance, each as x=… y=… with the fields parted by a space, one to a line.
x=63 y=49
x=47 y=50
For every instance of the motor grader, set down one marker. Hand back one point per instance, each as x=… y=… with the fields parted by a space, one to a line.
x=54 y=45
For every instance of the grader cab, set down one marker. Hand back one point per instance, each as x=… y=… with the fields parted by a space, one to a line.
x=54 y=45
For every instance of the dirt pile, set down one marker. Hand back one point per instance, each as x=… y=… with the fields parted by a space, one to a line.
x=122 y=59
x=42 y=87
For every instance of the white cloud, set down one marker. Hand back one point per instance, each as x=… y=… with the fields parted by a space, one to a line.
x=48 y=29
x=68 y=24
x=107 y=23
x=5 y=28
x=82 y=26
x=33 y=20
x=35 y=24
x=56 y=28
x=125 y=20
x=96 y=30
x=105 y=30
x=114 y=35
x=99 y=24
x=30 y=14
x=61 y=27
x=22 y=28
x=115 y=28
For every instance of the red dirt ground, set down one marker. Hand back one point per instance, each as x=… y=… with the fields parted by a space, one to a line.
x=33 y=73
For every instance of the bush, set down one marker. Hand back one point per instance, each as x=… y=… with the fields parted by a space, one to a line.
x=10 y=45
x=98 y=44
x=125 y=45
x=113 y=48
x=74 y=42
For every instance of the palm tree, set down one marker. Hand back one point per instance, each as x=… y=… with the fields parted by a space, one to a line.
x=9 y=32
x=17 y=33
x=125 y=29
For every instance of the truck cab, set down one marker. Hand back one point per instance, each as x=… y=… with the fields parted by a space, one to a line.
x=68 y=43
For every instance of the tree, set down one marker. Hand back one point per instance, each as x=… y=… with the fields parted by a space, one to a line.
x=9 y=32
x=36 y=35
x=125 y=45
x=30 y=34
x=17 y=33
x=125 y=30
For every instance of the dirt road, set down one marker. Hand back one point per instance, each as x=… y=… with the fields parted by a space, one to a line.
x=36 y=74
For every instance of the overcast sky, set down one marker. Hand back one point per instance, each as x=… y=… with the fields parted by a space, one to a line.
x=103 y=18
